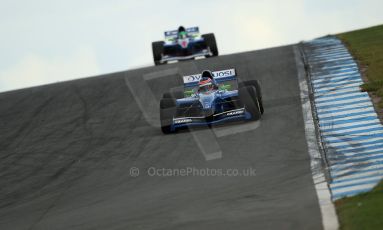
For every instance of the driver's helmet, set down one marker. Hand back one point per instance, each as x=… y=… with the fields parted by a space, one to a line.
x=182 y=32
x=207 y=82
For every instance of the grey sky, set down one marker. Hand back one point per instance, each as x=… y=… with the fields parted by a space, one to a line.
x=48 y=41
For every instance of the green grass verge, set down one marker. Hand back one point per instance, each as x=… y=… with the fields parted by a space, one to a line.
x=366 y=46
x=365 y=211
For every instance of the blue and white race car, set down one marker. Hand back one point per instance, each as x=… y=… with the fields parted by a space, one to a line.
x=210 y=98
x=184 y=44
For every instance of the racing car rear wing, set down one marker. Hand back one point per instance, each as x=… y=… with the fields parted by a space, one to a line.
x=226 y=79
x=172 y=34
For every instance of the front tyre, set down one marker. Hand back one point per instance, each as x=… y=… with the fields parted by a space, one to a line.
x=248 y=97
x=211 y=43
x=167 y=111
x=158 y=49
x=257 y=86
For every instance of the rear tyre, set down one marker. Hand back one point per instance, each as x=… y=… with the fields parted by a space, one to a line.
x=248 y=97
x=211 y=43
x=175 y=94
x=167 y=111
x=257 y=86
x=158 y=49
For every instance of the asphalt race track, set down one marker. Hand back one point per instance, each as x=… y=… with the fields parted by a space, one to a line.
x=66 y=152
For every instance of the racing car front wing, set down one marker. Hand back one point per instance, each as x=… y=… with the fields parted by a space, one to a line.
x=219 y=118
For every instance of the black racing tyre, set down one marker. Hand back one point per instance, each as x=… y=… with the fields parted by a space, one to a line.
x=248 y=97
x=158 y=49
x=257 y=86
x=175 y=94
x=167 y=112
x=211 y=43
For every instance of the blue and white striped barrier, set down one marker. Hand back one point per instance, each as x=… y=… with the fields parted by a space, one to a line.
x=349 y=127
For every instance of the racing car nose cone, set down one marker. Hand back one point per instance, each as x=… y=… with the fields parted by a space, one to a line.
x=184 y=44
x=206 y=106
x=206 y=101
x=208 y=112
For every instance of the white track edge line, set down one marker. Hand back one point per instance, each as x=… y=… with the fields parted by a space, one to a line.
x=329 y=216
